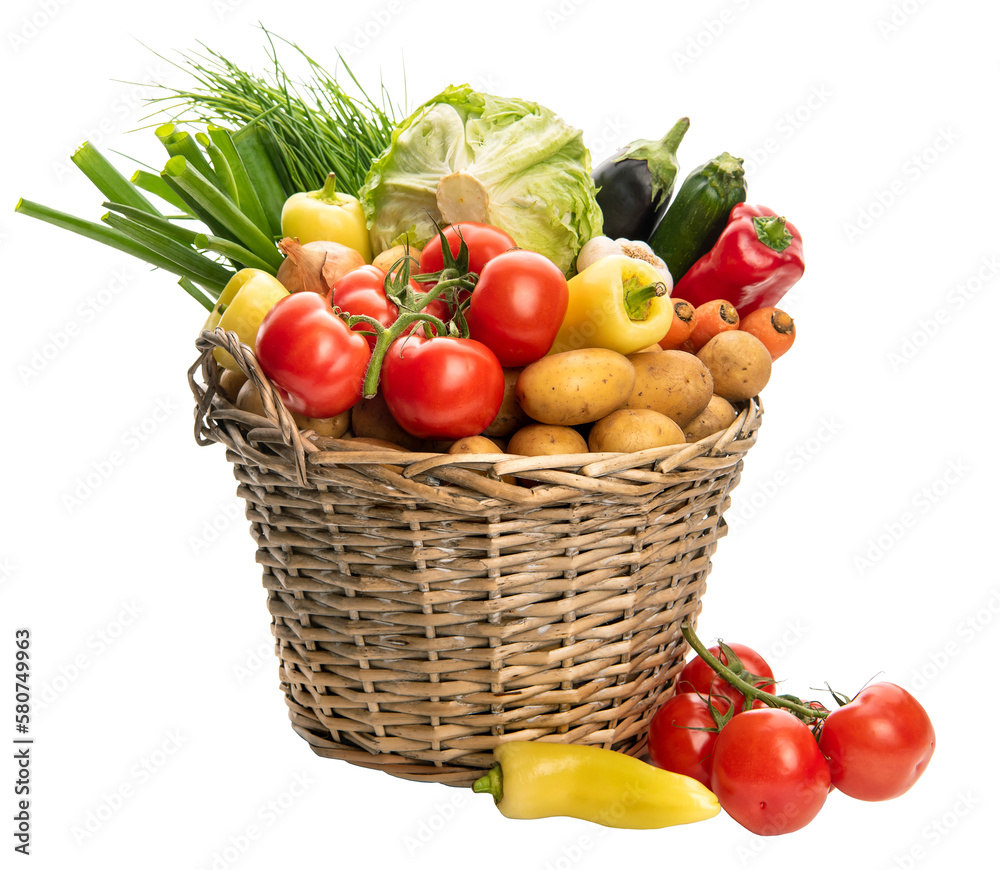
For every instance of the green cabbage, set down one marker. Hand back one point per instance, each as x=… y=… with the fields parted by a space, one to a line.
x=530 y=175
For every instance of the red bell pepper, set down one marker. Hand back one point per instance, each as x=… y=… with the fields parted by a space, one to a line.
x=754 y=262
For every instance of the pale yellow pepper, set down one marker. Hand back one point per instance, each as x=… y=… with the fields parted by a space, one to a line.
x=535 y=780
x=617 y=302
x=241 y=306
x=327 y=216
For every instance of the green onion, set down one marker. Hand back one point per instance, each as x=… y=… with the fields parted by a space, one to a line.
x=219 y=165
x=191 y=262
x=180 y=143
x=195 y=292
x=222 y=209
x=107 y=235
x=161 y=224
x=261 y=170
x=246 y=193
x=109 y=180
x=233 y=251
x=158 y=187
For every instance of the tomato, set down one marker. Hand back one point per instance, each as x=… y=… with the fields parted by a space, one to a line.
x=682 y=735
x=518 y=306
x=442 y=387
x=768 y=773
x=878 y=744
x=698 y=677
x=316 y=362
x=483 y=241
x=362 y=291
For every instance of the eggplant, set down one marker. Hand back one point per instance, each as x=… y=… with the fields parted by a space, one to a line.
x=636 y=183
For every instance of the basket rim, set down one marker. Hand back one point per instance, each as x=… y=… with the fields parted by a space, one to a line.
x=311 y=453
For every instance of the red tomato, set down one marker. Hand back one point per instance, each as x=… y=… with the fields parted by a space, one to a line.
x=317 y=363
x=362 y=291
x=879 y=744
x=483 y=241
x=698 y=677
x=682 y=736
x=518 y=306
x=442 y=387
x=768 y=772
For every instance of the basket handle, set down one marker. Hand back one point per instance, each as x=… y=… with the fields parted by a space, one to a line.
x=274 y=408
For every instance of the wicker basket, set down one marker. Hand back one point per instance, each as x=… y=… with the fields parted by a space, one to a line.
x=425 y=611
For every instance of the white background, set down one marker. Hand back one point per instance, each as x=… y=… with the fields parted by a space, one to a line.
x=862 y=532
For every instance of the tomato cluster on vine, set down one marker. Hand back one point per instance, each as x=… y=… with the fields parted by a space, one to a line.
x=772 y=760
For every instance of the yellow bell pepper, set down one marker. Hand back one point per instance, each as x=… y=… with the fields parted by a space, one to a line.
x=241 y=306
x=535 y=780
x=617 y=302
x=327 y=216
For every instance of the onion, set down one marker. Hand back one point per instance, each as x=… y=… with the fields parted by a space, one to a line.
x=315 y=266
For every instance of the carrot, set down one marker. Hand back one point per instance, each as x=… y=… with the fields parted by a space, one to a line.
x=773 y=327
x=711 y=318
x=680 y=326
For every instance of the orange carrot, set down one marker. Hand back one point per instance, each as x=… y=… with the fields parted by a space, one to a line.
x=773 y=327
x=680 y=326
x=711 y=318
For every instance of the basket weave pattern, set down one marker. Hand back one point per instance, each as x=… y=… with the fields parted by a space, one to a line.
x=424 y=610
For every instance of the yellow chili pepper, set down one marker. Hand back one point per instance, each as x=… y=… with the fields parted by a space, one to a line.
x=241 y=306
x=617 y=302
x=535 y=780
x=327 y=216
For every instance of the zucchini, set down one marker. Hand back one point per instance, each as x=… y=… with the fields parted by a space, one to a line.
x=699 y=213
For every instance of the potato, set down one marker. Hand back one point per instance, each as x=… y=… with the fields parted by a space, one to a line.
x=511 y=416
x=230 y=383
x=718 y=415
x=474 y=444
x=541 y=439
x=673 y=382
x=630 y=429
x=739 y=362
x=330 y=427
x=389 y=257
x=248 y=399
x=575 y=386
x=370 y=418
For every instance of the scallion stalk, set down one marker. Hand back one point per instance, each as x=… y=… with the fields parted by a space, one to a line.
x=190 y=262
x=163 y=225
x=222 y=209
x=155 y=185
x=259 y=167
x=107 y=235
x=196 y=293
x=232 y=251
x=246 y=193
x=220 y=166
x=108 y=180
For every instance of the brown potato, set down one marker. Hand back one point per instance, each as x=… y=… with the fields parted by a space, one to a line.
x=329 y=427
x=230 y=383
x=630 y=429
x=511 y=415
x=370 y=418
x=739 y=362
x=474 y=444
x=575 y=386
x=248 y=399
x=390 y=256
x=541 y=439
x=673 y=382
x=718 y=415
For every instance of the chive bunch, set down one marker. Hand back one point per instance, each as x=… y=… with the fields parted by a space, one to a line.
x=308 y=128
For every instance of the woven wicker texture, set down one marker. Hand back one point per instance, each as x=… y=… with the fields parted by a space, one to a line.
x=424 y=610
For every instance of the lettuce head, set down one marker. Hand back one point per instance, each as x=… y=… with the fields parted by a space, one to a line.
x=469 y=156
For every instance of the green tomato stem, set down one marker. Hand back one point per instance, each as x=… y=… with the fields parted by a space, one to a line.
x=748 y=689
